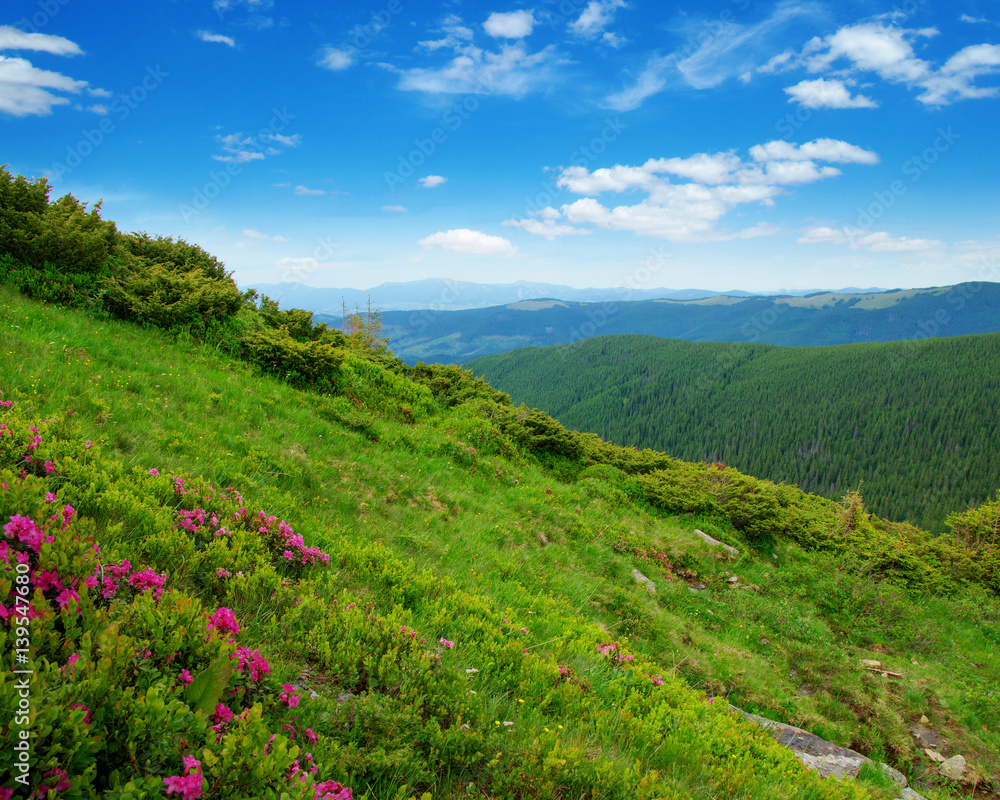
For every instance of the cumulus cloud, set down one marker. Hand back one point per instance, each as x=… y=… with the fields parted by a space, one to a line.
x=463 y=240
x=684 y=199
x=430 y=181
x=873 y=241
x=827 y=93
x=510 y=25
x=207 y=36
x=336 y=58
x=888 y=51
x=595 y=18
x=26 y=90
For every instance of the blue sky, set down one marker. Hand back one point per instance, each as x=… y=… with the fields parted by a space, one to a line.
x=719 y=145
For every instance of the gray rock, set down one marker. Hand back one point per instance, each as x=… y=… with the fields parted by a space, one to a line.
x=954 y=768
x=895 y=774
x=716 y=543
x=828 y=759
x=640 y=578
x=909 y=794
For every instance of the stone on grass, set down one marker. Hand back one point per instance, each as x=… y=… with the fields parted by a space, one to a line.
x=954 y=768
x=640 y=578
x=716 y=543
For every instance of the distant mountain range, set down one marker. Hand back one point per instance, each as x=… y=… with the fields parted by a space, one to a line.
x=442 y=294
x=823 y=318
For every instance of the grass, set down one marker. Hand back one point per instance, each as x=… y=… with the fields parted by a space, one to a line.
x=473 y=547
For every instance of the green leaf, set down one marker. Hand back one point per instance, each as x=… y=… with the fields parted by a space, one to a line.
x=206 y=689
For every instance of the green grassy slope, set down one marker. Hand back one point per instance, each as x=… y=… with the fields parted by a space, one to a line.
x=913 y=421
x=436 y=526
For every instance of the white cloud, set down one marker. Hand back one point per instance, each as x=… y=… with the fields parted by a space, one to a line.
x=595 y=18
x=336 y=58
x=652 y=80
x=252 y=237
x=99 y=92
x=240 y=149
x=512 y=25
x=827 y=93
x=511 y=71
x=26 y=90
x=206 y=36
x=305 y=191
x=463 y=240
x=430 y=181
x=715 y=50
x=833 y=150
x=98 y=108
x=546 y=227
x=887 y=50
x=396 y=209
x=614 y=40
x=13 y=39
x=716 y=183
x=873 y=241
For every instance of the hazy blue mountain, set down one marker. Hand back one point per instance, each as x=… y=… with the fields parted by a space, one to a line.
x=822 y=318
x=444 y=294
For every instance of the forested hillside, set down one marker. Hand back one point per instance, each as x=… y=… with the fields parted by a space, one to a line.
x=915 y=422
x=820 y=319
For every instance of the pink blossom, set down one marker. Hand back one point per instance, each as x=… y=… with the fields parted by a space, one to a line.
x=257 y=664
x=49 y=467
x=70 y=662
x=65 y=596
x=24 y=529
x=154 y=472
x=185 y=677
x=148 y=579
x=289 y=695
x=47 y=579
x=331 y=790
x=445 y=643
x=60 y=781
x=81 y=705
x=225 y=620
x=191 y=785
x=50 y=497
x=310 y=735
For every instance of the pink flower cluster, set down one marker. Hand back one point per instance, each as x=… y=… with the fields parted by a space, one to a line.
x=224 y=620
x=148 y=579
x=617 y=657
x=660 y=559
x=289 y=695
x=252 y=661
x=294 y=546
x=446 y=643
x=191 y=784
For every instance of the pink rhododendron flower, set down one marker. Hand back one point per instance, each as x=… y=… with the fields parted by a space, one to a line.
x=253 y=661
x=49 y=467
x=148 y=579
x=185 y=677
x=59 y=781
x=289 y=695
x=64 y=597
x=81 y=705
x=331 y=790
x=191 y=785
x=225 y=620
x=50 y=497
x=446 y=643
x=154 y=472
x=24 y=529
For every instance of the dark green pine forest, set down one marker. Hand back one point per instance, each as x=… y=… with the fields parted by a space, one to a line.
x=914 y=424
